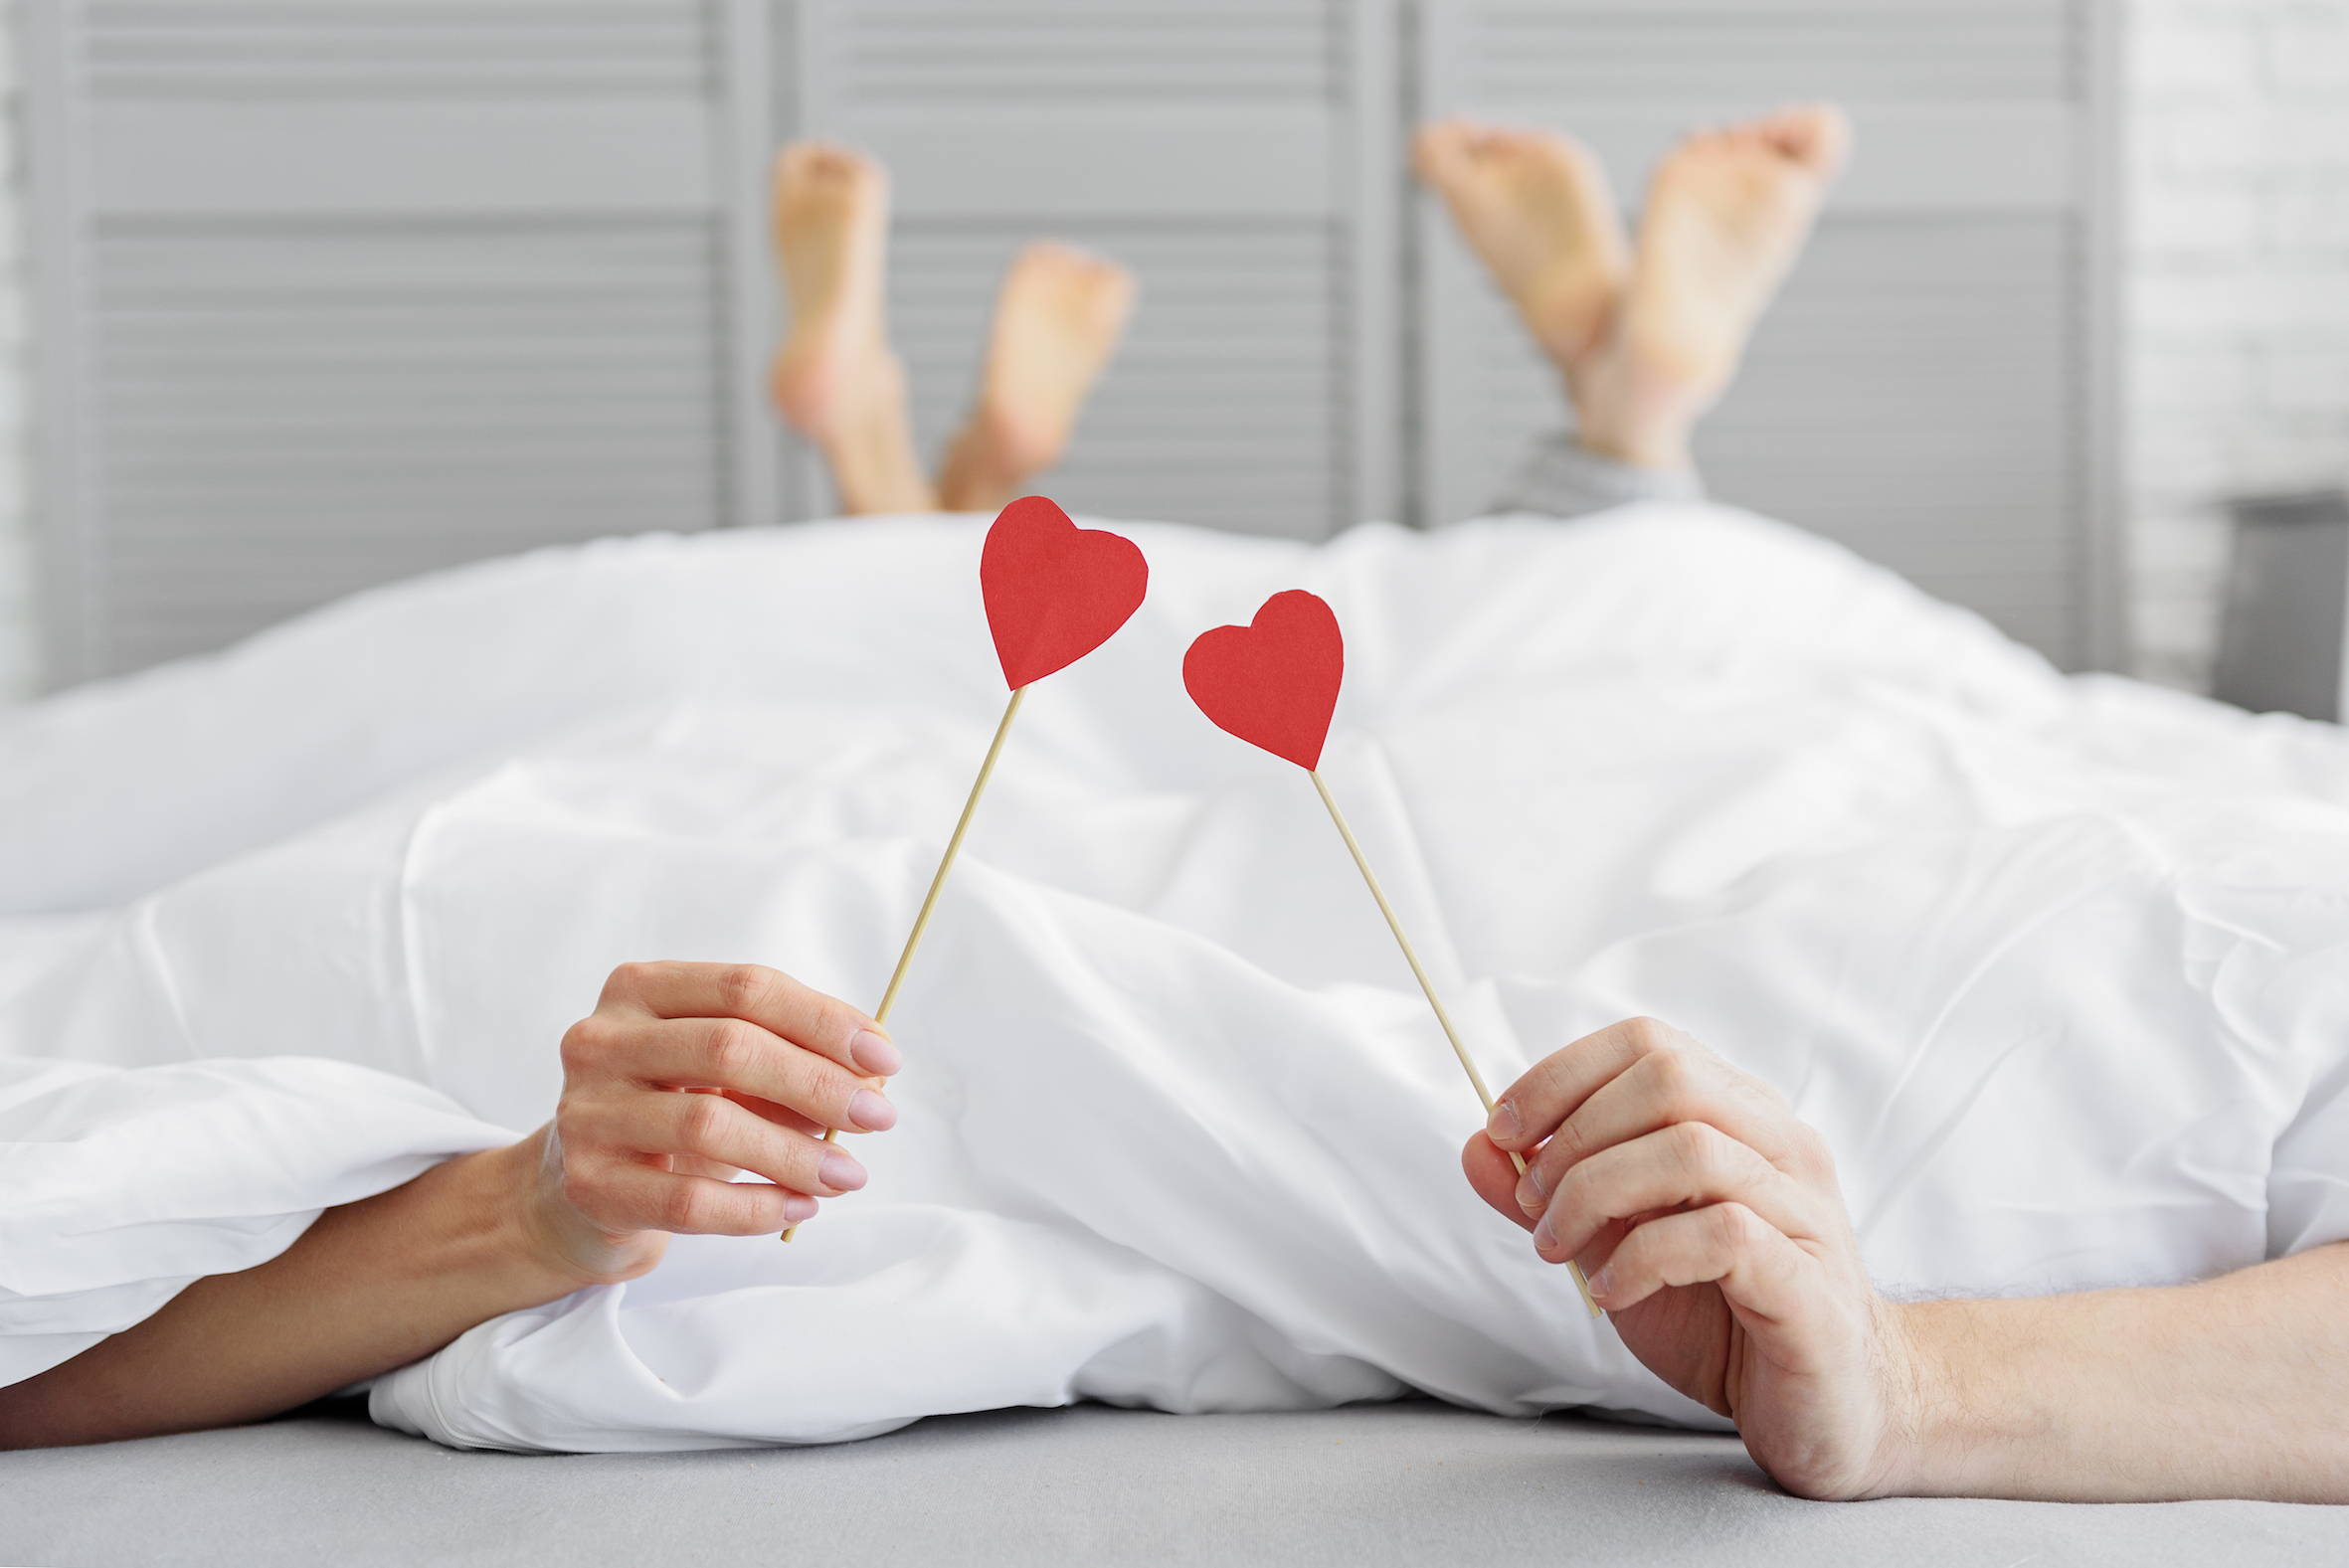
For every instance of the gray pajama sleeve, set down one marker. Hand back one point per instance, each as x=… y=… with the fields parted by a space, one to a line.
x=1562 y=479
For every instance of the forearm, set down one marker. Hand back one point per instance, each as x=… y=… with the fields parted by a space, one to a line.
x=2236 y=1387
x=372 y=1286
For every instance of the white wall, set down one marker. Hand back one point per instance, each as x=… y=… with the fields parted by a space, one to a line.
x=2236 y=290
x=2237 y=303
x=17 y=672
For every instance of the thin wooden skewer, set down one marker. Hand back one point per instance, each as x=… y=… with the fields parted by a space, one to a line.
x=945 y=863
x=1478 y=1079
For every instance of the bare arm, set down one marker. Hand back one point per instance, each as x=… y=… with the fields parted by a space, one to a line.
x=370 y=1285
x=1715 y=1234
x=2236 y=1387
x=684 y=1075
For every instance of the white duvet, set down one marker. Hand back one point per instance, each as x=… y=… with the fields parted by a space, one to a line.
x=2058 y=965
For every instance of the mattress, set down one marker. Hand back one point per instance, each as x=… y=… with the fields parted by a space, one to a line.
x=1415 y=1482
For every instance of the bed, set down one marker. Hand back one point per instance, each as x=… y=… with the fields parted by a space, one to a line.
x=1404 y=1482
x=287 y=926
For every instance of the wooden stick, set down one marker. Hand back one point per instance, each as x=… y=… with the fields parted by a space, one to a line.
x=945 y=863
x=1458 y=1049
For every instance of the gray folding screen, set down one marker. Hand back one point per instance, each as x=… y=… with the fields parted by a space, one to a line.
x=332 y=291
x=1238 y=154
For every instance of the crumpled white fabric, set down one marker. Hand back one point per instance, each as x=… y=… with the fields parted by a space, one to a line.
x=119 y=1195
x=2055 y=964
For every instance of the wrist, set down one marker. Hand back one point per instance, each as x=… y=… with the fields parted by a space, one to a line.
x=554 y=1246
x=1911 y=1378
x=1934 y=1427
x=505 y=1244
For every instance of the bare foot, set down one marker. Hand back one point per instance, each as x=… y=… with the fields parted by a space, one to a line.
x=1058 y=318
x=1728 y=214
x=836 y=378
x=1536 y=209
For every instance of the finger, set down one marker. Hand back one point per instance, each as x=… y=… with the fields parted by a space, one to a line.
x=715 y=1128
x=728 y=1054
x=1495 y=1180
x=1759 y=1270
x=1687 y=1164
x=1531 y=1109
x=781 y=1115
x=1494 y=1177
x=1672 y=1086
x=766 y=997
x=711 y=1126
x=1690 y=1084
x=631 y=1196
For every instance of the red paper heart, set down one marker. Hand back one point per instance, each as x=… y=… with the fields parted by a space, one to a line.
x=1274 y=681
x=1054 y=592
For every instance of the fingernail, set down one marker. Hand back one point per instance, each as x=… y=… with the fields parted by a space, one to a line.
x=870 y=1112
x=841 y=1172
x=798 y=1209
x=1544 y=1236
x=1601 y=1283
x=1502 y=1124
x=1530 y=1194
x=875 y=1053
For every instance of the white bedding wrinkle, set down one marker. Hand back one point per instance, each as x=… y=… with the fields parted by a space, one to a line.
x=123 y=1186
x=2056 y=964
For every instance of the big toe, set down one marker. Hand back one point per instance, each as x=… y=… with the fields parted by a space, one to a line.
x=1816 y=135
x=1086 y=285
x=817 y=169
x=804 y=163
x=1113 y=289
x=1440 y=147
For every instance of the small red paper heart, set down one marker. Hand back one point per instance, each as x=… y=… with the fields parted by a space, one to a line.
x=1274 y=681
x=1054 y=592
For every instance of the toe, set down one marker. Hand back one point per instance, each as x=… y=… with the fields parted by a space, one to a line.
x=1817 y=137
x=1437 y=148
x=791 y=166
x=1824 y=139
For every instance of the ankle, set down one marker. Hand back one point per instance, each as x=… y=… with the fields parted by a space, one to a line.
x=869 y=448
x=983 y=470
x=878 y=478
x=1625 y=411
x=1654 y=439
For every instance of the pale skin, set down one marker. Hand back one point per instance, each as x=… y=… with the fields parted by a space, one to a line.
x=684 y=1074
x=837 y=380
x=1706 y=1214
x=1645 y=339
x=1708 y=1217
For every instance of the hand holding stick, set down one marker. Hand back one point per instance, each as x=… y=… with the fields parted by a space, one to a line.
x=1274 y=683
x=1474 y=1077
x=1054 y=593
x=945 y=863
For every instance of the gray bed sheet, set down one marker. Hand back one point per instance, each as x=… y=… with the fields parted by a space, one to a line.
x=1409 y=1482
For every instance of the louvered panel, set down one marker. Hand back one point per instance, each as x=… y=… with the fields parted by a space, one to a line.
x=336 y=291
x=1966 y=482
x=295 y=415
x=241 y=53
x=1963 y=478
x=928 y=52
x=1235 y=155
x=1925 y=388
x=1877 y=51
x=1224 y=406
